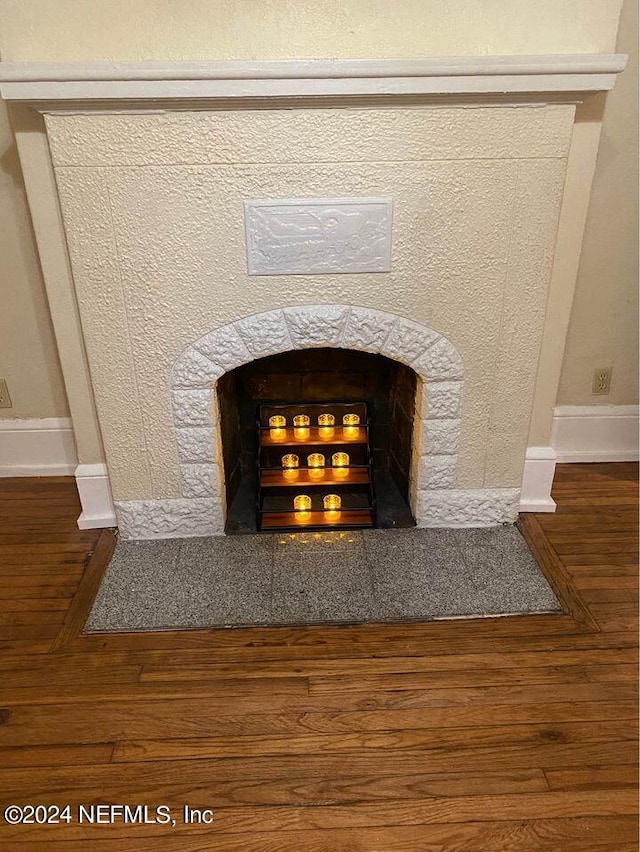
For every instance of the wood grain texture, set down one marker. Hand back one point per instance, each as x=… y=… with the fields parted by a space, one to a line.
x=508 y=734
x=87 y=589
x=356 y=476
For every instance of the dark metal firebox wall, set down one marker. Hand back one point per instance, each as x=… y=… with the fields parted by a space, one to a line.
x=319 y=376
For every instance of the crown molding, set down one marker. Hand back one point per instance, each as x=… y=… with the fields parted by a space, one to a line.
x=558 y=77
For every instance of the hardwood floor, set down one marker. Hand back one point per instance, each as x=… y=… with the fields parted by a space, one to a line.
x=493 y=734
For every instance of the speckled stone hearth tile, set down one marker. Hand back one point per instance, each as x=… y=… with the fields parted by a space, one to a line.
x=239 y=594
x=140 y=588
x=432 y=583
x=321 y=586
x=226 y=553
x=408 y=543
x=335 y=577
x=501 y=578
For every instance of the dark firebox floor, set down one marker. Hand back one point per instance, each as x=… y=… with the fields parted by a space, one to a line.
x=316 y=578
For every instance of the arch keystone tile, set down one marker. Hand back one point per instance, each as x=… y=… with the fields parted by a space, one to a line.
x=316 y=326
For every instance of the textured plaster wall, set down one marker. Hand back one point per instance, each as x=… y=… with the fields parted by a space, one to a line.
x=28 y=354
x=287 y=29
x=153 y=209
x=603 y=331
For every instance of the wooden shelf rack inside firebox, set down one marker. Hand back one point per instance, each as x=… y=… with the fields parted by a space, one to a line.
x=283 y=442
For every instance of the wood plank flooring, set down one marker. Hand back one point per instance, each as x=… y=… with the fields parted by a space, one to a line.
x=491 y=734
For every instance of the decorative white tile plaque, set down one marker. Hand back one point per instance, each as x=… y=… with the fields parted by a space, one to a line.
x=313 y=236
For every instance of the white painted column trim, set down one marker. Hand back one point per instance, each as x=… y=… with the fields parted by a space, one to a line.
x=46 y=216
x=581 y=166
x=95 y=496
x=537 y=480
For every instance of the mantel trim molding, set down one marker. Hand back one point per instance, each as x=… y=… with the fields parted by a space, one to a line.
x=568 y=77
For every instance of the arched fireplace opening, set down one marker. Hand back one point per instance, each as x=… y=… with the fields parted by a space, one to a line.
x=319 y=376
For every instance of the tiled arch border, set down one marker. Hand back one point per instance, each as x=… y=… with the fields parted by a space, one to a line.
x=435 y=500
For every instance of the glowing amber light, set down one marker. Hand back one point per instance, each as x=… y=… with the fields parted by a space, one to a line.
x=340 y=462
x=302 y=507
x=351 y=429
x=290 y=464
x=331 y=501
x=331 y=504
x=301 y=429
x=315 y=463
x=326 y=420
x=277 y=429
x=326 y=430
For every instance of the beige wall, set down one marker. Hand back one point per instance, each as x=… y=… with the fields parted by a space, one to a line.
x=603 y=331
x=92 y=30
x=28 y=354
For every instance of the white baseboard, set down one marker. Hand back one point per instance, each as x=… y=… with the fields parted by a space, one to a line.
x=95 y=496
x=595 y=433
x=43 y=447
x=537 y=479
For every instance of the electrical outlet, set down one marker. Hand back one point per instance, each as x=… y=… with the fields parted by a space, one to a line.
x=5 y=399
x=601 y=380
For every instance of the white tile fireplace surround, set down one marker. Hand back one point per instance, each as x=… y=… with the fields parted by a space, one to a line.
x=153 y=168
x=435 y=499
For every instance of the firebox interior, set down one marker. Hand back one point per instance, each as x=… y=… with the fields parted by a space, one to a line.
x=381 y=387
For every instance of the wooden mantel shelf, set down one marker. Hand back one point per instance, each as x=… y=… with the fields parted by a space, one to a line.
x=563 y=77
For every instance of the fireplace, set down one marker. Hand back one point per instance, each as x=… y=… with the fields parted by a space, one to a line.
x=322 y=386
x=159 y=199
